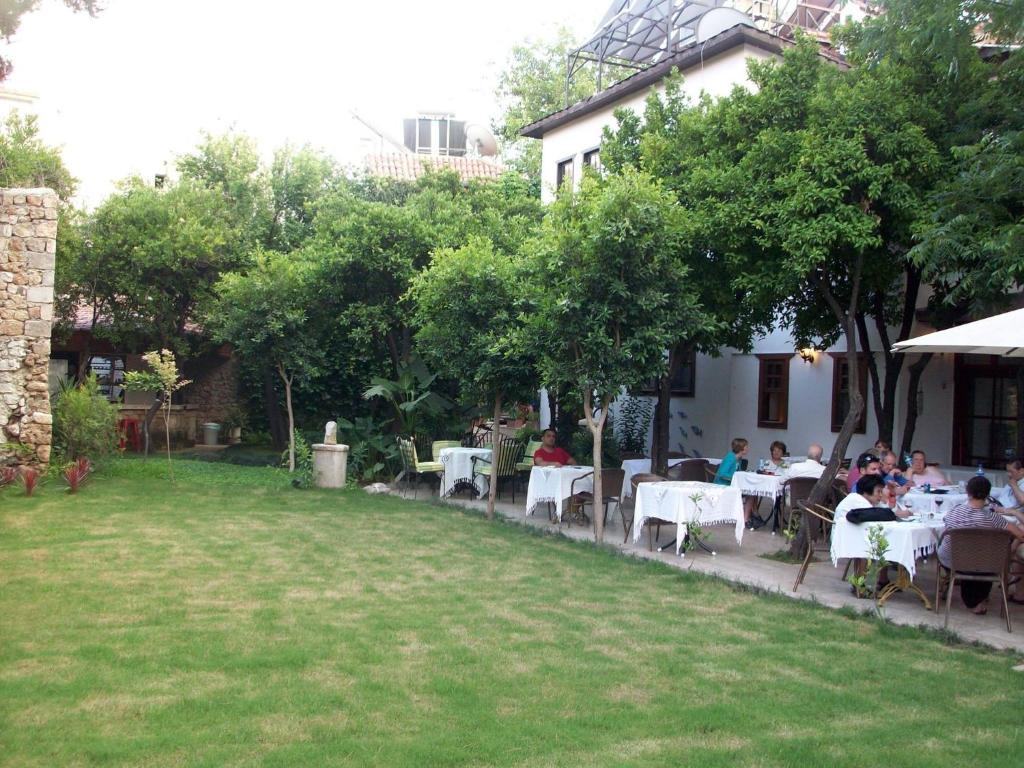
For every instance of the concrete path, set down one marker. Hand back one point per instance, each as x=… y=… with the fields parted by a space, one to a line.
x=744 y=564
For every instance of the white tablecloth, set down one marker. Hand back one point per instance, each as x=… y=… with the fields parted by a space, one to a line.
x=643 y=466
x=554 y=484
x=753 y=484
x=907 y=541
x=458 y=468
x=686 y=502
x=938 y=503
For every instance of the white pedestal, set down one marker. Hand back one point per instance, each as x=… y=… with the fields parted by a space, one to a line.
x=330 y=465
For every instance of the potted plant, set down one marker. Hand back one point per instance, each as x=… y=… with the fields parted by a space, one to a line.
x=235 y=418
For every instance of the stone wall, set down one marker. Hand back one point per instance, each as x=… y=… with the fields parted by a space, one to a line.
x=28 y=248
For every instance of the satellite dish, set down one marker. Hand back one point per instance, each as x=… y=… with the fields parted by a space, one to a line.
x=481 y=140
x=717 y=20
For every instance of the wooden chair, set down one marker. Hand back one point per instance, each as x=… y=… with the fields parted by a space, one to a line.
x=818 y=520
x=689 y=470
x=412 y=467
x=510 y=451
x=641 y=477
x=796 y=490
x=976 y=554
x=652 y=536
x=611 y=491
x=710 y=472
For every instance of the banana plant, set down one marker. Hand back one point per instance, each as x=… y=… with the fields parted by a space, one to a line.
x=409 y=395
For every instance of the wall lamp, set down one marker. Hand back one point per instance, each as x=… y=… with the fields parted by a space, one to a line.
x=808 y=354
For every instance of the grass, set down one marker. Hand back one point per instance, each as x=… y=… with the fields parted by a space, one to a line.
x=233 y=621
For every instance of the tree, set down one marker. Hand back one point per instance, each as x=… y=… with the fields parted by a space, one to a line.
x=531 y=86
x=262 y=313
x=10 y=19
x=468 y=306
x=163 y=379
x=147 y=261
x=25 y=161
x=610 y=292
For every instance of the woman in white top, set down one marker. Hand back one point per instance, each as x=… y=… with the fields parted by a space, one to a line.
x=920 y=473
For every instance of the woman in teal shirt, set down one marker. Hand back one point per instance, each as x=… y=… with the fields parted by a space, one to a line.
x=731 y=462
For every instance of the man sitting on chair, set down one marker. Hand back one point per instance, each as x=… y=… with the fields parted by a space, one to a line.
x=549 y=454
x=812 y=467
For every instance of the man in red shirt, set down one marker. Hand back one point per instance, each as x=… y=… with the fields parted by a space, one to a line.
x=549 y=454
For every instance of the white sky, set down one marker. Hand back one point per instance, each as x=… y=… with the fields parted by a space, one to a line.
x=126 y=91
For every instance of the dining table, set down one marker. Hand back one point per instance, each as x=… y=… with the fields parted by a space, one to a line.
x=459 y=470
x=554 y=484
x=632 y=467
x=688 y=504
x=925 y=503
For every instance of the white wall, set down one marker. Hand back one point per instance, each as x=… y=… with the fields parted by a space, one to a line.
x=716 y=76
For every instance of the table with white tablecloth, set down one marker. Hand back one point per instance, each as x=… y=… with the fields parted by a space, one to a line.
x=458 y=469
x=643 y=466
x=755 y=484
x=908 y=541
x=920 y=502
x=687 y=502
x=554 y=485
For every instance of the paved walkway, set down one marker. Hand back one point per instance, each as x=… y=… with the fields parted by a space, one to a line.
x=823 y=583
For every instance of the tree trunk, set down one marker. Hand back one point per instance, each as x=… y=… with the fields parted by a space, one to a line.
x=597 y=430
x=874 y=378
x=847 y=319
x=916 y=370
x=167 y=434
x=660 y=443
x=492 y=492
x=147 y=421
x=287 y=379
x=275 y=419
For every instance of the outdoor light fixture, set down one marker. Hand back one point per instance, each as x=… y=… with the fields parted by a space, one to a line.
x=807 y=354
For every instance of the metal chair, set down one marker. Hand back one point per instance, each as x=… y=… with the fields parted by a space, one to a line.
x=611 y=491
x=439 y=445
x=976 y=554
x=510 y=451
x=710 y=473
x=818 y=520
x=412 y=467
x=656 y=522
x=694 y=470
x=641 y=477
x=795 y=491
x=525 y=465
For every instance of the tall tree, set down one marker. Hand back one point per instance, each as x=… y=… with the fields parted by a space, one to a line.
x=531 y=86
x=26 y=161
x=610 y=293
x=468 y=306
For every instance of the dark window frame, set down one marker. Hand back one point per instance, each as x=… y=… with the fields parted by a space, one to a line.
x=838 y=364
x=763 y=373
x=1006 y=370
x=560 y=172
x=589 y=158
x=684 y=383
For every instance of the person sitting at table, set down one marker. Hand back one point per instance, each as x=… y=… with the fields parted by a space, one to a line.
x=976 y=513
x=869 y=492
x=1012 y=496
x=728 y=466
x=881 y=447
x=867 y=464
x=895 y=481
x=777 y=462
x=812 y=467
x=549 y=454
x=920 y=473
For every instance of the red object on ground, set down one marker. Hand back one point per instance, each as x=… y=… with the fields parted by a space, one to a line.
x=131 y=433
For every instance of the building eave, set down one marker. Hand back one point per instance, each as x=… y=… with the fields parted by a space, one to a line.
x=683 y=60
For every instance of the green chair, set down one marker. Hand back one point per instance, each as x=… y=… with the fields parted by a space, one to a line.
x=412 y=467
x=526 y=465
x=439 y=445
x=510 y=451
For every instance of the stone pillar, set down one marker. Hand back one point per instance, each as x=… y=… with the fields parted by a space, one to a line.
x=28 y=250
x=330 y=465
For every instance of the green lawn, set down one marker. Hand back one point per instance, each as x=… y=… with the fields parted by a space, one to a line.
x=232 y=620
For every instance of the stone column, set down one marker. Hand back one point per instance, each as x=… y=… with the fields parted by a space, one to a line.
x=330 y=465
x=28 y=250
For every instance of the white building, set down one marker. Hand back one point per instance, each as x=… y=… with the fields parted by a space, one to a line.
x=969 y=408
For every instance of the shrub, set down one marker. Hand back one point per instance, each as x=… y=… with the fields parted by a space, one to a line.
x=84 y=422
x=30 y=479
x=304 y=470
x=634 y=420
x=76 y=473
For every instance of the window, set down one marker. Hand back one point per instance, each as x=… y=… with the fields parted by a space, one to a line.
x=424 y=138
x=563 y=173
x=683 y=383
x=593 y=159
x=109 y=372
x=773 y=391
x=841 y=390
x=988 y=422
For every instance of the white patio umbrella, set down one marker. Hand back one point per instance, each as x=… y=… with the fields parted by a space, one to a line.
x=999 y=335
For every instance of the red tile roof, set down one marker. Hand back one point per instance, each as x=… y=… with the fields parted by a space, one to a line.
x=409 y=166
